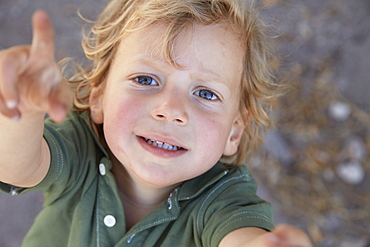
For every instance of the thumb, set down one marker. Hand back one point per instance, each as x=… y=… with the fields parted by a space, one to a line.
x=267 y=240
x=287 y=236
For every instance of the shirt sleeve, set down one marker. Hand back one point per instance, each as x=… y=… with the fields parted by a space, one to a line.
x=74 y=152
x=70 y=144
x=233 y=204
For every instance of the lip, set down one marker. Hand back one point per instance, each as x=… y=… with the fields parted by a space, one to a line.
x=160 y=152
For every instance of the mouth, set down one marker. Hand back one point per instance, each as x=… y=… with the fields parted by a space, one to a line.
x=162 y=145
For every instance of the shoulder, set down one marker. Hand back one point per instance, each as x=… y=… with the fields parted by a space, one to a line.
x=216 y=181
x=229 y=202
x=238 y=179
x=74 y=151
x=76 y=131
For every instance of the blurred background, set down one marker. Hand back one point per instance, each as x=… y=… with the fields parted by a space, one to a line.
x=315 y=164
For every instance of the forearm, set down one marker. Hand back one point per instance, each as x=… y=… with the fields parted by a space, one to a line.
x=24 y=157
x=31 y=85
x=281 y=236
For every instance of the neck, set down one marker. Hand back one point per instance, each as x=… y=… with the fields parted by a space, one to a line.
x=138 y=200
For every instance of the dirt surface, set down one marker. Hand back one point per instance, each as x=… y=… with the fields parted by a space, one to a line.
x=315 y=164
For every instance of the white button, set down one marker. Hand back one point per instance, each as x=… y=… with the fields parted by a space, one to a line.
x=109 y=220
x=102 y=169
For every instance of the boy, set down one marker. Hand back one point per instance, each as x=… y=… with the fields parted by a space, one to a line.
x=174 y=86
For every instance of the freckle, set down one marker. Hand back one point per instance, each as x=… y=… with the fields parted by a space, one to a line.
x=223 y=44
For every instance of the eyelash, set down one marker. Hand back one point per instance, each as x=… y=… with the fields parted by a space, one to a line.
x=140 y=79
x=202 y=93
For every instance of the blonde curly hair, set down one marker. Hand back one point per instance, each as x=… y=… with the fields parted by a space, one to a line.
x=121 y=17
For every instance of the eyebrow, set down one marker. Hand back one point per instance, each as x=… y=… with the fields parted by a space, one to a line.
x=157 y=65
x=200 y=75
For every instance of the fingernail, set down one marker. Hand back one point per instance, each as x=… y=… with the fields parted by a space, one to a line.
x=274 y=239
x=16 y=118
x=11 y=104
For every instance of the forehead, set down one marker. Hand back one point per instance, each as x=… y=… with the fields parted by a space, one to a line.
x=212 y=48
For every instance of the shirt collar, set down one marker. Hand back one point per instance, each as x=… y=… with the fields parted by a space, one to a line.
x=87 y=120
x=197 y=185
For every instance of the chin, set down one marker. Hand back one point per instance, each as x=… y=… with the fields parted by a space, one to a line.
x=156 y=178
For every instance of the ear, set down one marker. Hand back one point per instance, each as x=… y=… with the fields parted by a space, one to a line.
x=235 y=136
x=96 y=107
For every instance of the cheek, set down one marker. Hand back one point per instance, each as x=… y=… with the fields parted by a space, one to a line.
x=213 y=135
x=122 y=114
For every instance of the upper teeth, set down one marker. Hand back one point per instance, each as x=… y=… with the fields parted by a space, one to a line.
x=162 y=145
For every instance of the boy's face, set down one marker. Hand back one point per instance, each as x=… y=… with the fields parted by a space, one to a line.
x=164 y=124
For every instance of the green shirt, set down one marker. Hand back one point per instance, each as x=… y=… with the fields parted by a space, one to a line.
x=82 y=206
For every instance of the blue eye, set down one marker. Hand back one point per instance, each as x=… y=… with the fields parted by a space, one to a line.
x=206 y=94
x=146 y=80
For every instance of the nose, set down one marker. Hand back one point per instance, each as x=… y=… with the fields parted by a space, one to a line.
x=171 y=107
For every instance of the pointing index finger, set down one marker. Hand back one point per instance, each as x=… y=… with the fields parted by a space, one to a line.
x=43 y=42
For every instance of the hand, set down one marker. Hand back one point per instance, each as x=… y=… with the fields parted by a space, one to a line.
x=30 y=79
x=282 y=236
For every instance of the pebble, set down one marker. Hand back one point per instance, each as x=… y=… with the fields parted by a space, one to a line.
x=354 y=242
x=278 y=147
x=355 y=149
x=330 y=241
x=328 y=175
x=339 y=111
x=331 y=222
x=305 y=30
x=351 y=172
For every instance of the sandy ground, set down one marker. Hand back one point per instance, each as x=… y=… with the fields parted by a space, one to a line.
x=336 y=32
